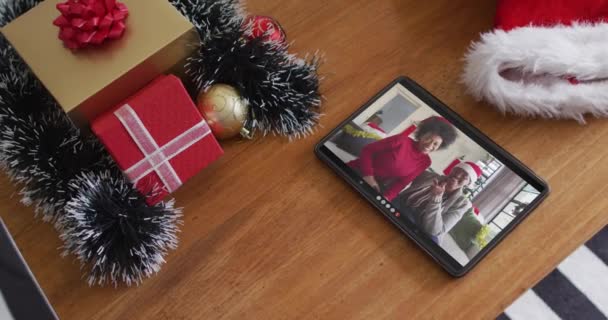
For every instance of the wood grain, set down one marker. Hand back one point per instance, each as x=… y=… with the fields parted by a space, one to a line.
x=271 y=233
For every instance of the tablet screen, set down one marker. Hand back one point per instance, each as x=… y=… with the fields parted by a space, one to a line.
x=430 y=174
x=5 y=313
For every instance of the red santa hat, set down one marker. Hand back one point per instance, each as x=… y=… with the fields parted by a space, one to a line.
x=545 y=58
x=472 y=170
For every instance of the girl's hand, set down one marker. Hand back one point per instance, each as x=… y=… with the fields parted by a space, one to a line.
x=438 y=188
x=372 y=182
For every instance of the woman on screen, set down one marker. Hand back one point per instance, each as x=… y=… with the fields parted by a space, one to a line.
x=390 y=164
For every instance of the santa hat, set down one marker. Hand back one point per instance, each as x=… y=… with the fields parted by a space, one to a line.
x=545 y=58
x=472 y=170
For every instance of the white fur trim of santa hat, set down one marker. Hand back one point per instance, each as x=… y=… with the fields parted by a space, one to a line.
x=471 y=172
x=542 y=59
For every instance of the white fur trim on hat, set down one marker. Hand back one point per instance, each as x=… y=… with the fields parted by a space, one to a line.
x=544 y=57
x=469 y=170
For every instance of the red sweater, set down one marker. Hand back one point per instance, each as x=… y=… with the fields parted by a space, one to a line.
x=395 y=159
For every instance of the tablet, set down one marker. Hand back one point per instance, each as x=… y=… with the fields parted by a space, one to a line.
x=438 y=179
x=20 y=294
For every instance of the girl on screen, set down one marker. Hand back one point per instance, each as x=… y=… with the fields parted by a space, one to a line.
x=389 y=165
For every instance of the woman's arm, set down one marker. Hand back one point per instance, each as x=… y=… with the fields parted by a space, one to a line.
x=370 y=151
x=401 y=182
x=396 y=187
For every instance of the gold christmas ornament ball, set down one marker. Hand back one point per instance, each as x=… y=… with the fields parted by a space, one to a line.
x=224 y=110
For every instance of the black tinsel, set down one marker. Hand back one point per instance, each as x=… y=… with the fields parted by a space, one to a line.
x=10 y=10
x=281 y=89
x=45 y=155
x=109 y=225
x=212 y=18
x=52 y=161
x=70 y=179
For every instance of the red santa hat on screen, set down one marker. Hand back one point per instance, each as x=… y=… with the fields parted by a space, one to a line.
x=545 y=58
x=472 y=170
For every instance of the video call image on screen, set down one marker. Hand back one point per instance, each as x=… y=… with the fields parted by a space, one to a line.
x=5 y=313
x=435 y=176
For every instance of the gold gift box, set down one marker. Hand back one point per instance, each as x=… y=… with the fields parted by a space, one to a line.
x=87 y=82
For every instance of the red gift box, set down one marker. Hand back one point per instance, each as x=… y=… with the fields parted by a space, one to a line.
x=158 y=138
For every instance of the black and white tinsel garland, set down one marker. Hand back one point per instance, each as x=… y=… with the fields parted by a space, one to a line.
x=113 y=232
x=281 y=89
x=109 y=224
x=70 y=179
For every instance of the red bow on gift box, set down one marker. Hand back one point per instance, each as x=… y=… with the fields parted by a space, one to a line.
x=90 y=22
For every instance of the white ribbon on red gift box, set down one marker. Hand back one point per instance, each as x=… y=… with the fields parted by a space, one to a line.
x=157 y=158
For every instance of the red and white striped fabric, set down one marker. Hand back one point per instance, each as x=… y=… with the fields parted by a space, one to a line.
x=158 y=138
x=157 y=158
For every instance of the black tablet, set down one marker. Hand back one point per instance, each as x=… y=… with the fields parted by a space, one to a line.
x=441 y=181
x=20 y=295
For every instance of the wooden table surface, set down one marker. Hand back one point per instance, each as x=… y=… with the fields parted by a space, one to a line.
x=271 y=233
